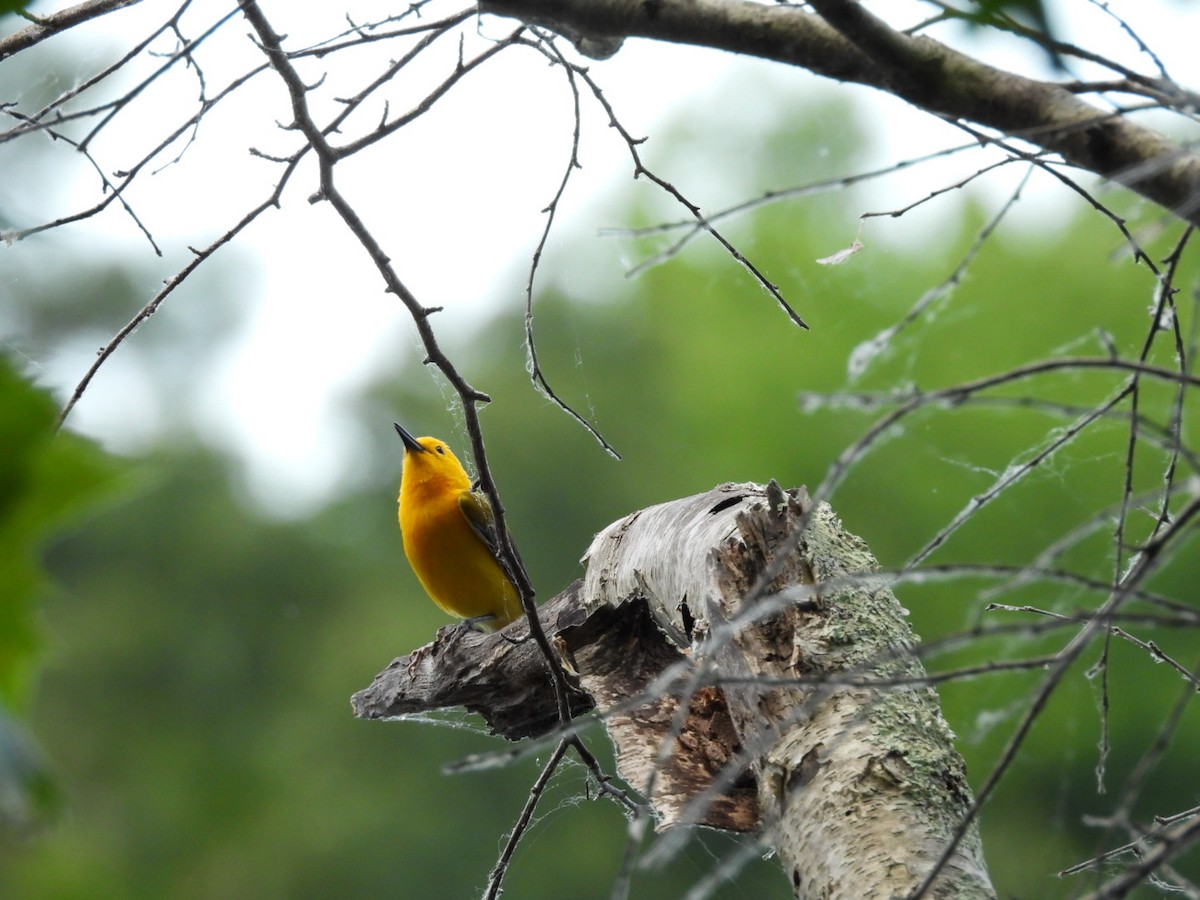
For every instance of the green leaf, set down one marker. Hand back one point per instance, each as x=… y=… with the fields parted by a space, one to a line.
x=12 y=6
x=1024 y=17
x=1029 y=12
x=43 y=477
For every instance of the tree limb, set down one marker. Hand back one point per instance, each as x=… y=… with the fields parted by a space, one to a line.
x=847 y=43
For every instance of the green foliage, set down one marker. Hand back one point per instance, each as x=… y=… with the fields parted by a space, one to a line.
x=28 y=792
x=990 y=12
x=13 y=6
x=1028 y=18
x=43 y=478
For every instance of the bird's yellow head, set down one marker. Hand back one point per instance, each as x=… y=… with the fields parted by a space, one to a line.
x=428 y=460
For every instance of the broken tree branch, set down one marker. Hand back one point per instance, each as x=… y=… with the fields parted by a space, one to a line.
x=754 y=672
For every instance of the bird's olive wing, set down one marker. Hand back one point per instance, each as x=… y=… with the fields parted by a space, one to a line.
x=478 y=511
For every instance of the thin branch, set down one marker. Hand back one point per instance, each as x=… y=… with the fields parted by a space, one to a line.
x=116 y=191
x=391 y=126
x=691 y=229
x=1142 y=46
x=496 y=877
x=640 y=170
x=1167 y=844
x=537 y=375
x=869 y=350
x=1146 y=564
x=958 y=393
x=112 y=193
x=36 y=120
x=1014 y=473
x=362 y=33
x=170 y=285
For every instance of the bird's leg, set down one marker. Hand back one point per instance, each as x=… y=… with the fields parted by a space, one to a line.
x=475 y=622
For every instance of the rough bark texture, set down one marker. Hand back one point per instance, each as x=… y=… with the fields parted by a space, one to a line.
x=753 y=673
x=505 y=681
x=859 y=47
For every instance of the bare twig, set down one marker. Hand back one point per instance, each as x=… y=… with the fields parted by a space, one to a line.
x=640 y=170
x=547 y=46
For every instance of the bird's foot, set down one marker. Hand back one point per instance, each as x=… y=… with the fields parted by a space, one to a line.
x=475 y=623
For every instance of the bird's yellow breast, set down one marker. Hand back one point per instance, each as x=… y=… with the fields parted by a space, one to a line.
x=453 y=564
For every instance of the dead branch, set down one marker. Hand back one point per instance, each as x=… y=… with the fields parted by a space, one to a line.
x=792 y=705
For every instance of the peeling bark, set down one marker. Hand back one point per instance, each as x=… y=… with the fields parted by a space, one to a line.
x=754 y=673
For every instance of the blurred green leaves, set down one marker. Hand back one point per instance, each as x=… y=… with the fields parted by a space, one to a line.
x=44 y=477
x=1028 y=18
x=1031 y=12
x=12 y=6
x=28 y=791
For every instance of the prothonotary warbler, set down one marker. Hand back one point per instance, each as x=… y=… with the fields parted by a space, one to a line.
x=450 y=536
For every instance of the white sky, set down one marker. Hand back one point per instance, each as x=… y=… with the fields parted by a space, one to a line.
x=457 y=200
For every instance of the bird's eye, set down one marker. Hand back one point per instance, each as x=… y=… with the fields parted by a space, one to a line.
x=441 y=449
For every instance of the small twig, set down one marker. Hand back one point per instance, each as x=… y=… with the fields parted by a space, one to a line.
x=537 y=375
x=169 y=287
x=1142 y=46
x=640 y=169
x=1145 y=565
x=1168 y=843
x=867 y=351
x=691 y=229
x=496 y=878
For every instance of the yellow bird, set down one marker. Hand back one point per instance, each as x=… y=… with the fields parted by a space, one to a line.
x=450 y=536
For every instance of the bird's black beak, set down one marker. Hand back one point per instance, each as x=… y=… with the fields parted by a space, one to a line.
x=410 y=442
